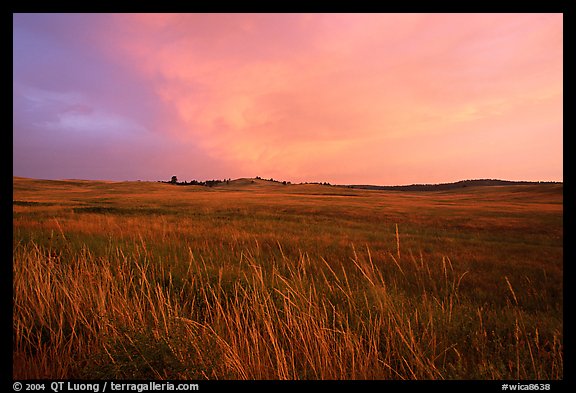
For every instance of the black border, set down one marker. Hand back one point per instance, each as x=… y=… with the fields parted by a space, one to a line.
x=443 y=6
x=422 y=6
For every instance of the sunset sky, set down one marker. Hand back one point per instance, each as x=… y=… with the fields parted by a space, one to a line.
x=345 y=98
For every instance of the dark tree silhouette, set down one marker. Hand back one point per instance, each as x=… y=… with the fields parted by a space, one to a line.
x=174 y=180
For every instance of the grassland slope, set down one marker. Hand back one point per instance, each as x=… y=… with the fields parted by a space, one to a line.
x=270 y=281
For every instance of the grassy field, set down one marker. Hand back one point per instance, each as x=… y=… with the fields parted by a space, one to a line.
x=259 y=280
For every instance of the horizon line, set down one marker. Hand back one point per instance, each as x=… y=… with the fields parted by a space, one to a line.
x=303 y=182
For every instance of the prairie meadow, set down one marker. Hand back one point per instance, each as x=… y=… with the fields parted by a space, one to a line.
x=260 y=280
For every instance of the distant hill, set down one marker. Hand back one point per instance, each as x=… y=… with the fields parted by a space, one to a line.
x=450 y=186
x=260 y=183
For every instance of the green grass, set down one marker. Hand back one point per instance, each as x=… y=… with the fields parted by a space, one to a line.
x=265 y=281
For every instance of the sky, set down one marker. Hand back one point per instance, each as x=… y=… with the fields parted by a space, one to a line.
x=385 y=99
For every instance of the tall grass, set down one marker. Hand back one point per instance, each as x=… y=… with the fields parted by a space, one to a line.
x=133 y=312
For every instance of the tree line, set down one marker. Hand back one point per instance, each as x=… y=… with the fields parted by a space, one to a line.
x=212 y=183
x=207 y=183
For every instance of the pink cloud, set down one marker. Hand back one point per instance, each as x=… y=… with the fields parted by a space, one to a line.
x=389 y=98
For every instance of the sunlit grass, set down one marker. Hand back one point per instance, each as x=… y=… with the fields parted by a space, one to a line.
x=174 y=282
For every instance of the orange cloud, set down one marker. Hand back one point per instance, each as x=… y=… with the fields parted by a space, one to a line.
x=340 y=95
